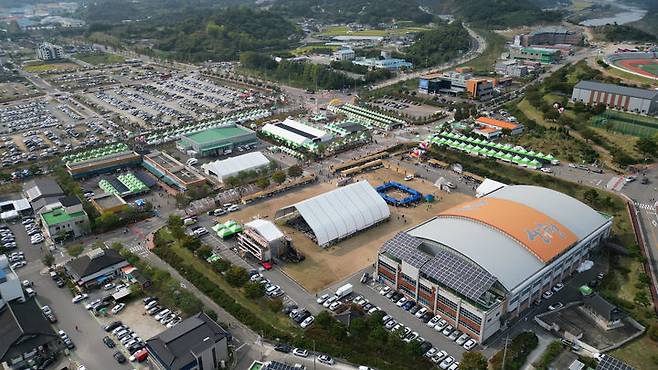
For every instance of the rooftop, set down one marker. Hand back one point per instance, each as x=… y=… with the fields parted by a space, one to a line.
x=497 y=123
x=175 y=347
x=617 y=89
x=23 y=328
x=94 y=261
x=212 y=135
x=59 y=215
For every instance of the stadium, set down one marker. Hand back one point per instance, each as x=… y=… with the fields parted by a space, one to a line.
x=637 y=63
x=486 y=260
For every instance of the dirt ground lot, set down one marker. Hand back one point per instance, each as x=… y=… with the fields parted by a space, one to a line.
x=133 y=315
x=16 y=90
x=324 y=267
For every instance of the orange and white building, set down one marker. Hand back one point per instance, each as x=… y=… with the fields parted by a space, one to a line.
x=499 y=125
x=485 y=261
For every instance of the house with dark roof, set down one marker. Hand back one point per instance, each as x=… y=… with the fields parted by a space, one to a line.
x=607 y=362
x=96 y=267
x=42 y=192
x=26 y=337
x=605 y=314
x=197 y=342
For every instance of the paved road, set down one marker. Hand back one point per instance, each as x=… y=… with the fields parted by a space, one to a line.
x=479 y=44
x=90 y=350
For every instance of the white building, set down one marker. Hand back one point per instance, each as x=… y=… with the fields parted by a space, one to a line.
x=343 y=54
x=10 y=286
x=263 y=240
x=48 y=51
x=296 y=133
x=484 y=261
x=233 y=166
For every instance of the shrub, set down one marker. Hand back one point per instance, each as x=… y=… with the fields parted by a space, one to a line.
x=517 y=352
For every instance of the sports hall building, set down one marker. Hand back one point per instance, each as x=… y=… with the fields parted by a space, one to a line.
x=485 y=261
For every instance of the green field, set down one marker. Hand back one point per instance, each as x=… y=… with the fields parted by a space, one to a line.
x=628 y=124
x=651 y=68
x=306 y=49
x=50 y=67
x=99 y=58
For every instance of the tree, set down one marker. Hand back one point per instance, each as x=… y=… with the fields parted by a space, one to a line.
x=48 y=259
x=237 y=276
x=279 y=177
x=212 y=314
x=175 y=225
x=263 y=182
x=591 y=196
x=254 y=290
x=647 y=146
x=75 y=250
x=641 y=298
x=295 y=171
x=204 y=251
x=473 y=361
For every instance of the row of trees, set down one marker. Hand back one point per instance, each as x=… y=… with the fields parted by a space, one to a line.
x=439 y=45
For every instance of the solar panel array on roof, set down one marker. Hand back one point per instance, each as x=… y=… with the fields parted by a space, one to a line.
x=448 y=269
x=275 y=365
x=458 y=274
x=121 y=188
x=145 y=178
x=405 y=247
x=610 y=363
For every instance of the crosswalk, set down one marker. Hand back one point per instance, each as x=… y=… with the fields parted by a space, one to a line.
x=647 y=207
x=139 y=250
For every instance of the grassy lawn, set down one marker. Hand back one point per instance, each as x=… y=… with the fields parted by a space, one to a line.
x=279 y=321
x=302 y=50
x=47 y=67
x=533 y=114
x=560 y=145
x=641 y=353
x=495 y=46
x=625 y=142
x=99 y=58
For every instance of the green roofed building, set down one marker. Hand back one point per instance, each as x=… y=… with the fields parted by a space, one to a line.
x=541 y=55
x=65 y=219
x=216 y=141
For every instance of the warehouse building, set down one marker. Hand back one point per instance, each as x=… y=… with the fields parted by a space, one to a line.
x=549 y=36
x=541 y=55
x=456 y=83
x=263 y=240
x=483 y=261
x=624 y=98
x=171 y=172
x=296 y=133
x=100 y=160
x=216 y=141
x=233 y=166
x=338 y=214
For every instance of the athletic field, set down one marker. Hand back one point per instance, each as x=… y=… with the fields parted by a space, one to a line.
x=645 y=67
x=628 y=124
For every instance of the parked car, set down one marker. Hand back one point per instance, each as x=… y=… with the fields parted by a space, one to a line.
x=470 y=344
x=119 y=357
x=109 y=342
x=307 y=322
x=325 y=359
x=284 y=348
x=300 y=352
x=547 y=294
x=555 y=306
x=558 y=287
x=80 y=297
x=322 y=298
x=111 y=326
x=117 y=308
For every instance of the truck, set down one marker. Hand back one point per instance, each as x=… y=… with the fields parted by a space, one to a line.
x=344 y=291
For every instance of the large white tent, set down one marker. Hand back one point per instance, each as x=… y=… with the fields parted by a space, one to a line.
x=342 y=212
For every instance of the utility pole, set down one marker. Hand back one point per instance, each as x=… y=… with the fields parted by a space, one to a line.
x=314 y=354
x=505 y=352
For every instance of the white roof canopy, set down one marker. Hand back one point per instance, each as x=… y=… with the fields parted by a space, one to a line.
x=266 y=229
x=234 y=165
x=342 y=212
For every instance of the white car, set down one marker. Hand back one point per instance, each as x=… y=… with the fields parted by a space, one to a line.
x=447 y=362
x=433 y=321
x=324 y=359
x=92 y=304
x=233 y=208
x=546 y=170
x=462 y=339
x=116 y=309
x=470 y=344
x=300 y=352
x=547 y=294
x=420 y=312
x=329 y=301
x=558 y=287
x=162 y=314
x=334 y=306
x=384 y=290
x=307 y=322
x=79 y=298
x=322 y=298
x=401 y=302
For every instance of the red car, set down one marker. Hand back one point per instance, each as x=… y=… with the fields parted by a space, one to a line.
x=266 y=265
